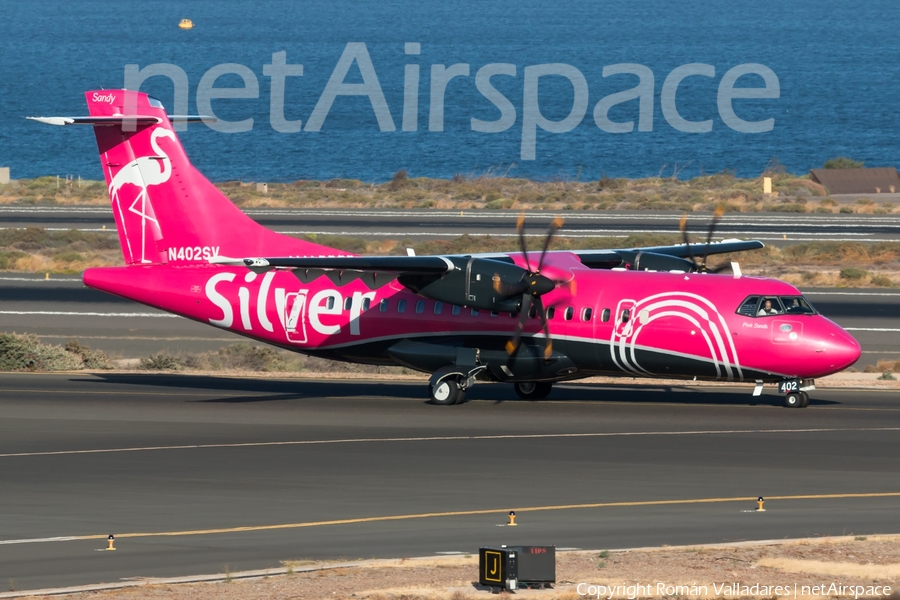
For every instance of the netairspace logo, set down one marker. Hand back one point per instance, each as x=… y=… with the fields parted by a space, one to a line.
x=532 y=118
x=730 y=590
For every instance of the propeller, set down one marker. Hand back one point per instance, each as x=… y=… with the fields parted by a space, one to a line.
x=532 y=286
x=701 y=266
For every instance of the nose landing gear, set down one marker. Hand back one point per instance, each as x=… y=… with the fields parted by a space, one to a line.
x=794 y=391
x=796 y=400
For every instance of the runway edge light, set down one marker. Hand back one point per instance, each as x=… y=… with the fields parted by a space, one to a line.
x=759 y=504
x=111 y=542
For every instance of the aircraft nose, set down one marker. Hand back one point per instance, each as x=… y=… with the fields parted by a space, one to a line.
x=844 y=350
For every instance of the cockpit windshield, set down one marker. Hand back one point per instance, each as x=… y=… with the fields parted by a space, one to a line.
x=154 y=103
x=764 y=306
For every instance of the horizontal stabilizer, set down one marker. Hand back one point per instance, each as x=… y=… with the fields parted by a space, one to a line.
x=121 y=120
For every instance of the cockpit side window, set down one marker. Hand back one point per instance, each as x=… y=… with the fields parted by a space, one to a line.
x=797 y=305
x=748 y=308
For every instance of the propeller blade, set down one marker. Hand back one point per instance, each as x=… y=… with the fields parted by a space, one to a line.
x=548 y=348
x=520 y=229
x=682 y=225
x=720 y=210
x=513 y=344
x=555 y=226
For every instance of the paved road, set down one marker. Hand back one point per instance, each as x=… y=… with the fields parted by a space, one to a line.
x=773 y=228
x=181 y=456
x=62 y=308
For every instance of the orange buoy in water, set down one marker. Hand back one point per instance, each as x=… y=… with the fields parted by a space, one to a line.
x=186 y=24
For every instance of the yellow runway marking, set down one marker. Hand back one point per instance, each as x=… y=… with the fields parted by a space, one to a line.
x=447 y=438
x=458 y=513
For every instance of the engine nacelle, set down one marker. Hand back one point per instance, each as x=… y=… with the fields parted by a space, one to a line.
x=651 y=261
x=472 y=284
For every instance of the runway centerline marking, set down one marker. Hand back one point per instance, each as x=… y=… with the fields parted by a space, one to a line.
x=447 y=438
x=456 y=513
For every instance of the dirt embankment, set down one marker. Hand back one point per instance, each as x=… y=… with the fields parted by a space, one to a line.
x=849 y=567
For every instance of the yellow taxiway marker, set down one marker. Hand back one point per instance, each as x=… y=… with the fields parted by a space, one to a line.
x=459 y=513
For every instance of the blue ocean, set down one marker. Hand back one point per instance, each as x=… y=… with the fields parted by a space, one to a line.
x=836 y=92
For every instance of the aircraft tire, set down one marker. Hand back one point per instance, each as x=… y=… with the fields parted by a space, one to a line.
x=793 y=400
x=805 y=399
x=446 y=392
x=533 y=390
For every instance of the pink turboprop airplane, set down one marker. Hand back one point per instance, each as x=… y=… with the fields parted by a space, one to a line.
x=651 y=312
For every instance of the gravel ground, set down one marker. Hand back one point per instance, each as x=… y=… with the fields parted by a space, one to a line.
x=844 y=567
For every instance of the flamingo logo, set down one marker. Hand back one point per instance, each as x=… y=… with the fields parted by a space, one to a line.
x=141 y=173
x=697 y=310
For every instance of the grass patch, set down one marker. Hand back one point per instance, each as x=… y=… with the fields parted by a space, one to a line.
x=28 y=353
x=250 y=357
x=490 y=190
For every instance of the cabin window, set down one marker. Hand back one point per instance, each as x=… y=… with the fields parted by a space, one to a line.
x=586 y=313
x=384 y=305
x=570 y=312
x=474 y=312
x=420 y=307
x=438 y=307
x=626 y=315
x=532 y=312
x=604 y=315
x=330 y=302
x=347 y=302
x=456 y=309
x=367 y=302
x=551 y=312
x=401 y=306
x=493 y=313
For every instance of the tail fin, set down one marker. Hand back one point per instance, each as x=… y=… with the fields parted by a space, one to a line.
x=166 y=211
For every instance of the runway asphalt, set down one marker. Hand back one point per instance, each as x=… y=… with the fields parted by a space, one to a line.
x=62 y=308
x=772 y=228
x=188 y=472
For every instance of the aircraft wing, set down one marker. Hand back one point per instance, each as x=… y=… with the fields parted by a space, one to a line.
x=420 y=265
x=607 y=259
x=652 y=257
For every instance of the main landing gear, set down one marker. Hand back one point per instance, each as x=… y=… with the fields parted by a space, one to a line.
x=533 y=390
x=448 y=386
x=447 y=391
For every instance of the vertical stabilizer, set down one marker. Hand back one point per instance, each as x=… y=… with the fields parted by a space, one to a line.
x=166 y=211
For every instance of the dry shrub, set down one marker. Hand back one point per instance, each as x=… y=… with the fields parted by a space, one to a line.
x=27 y=353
